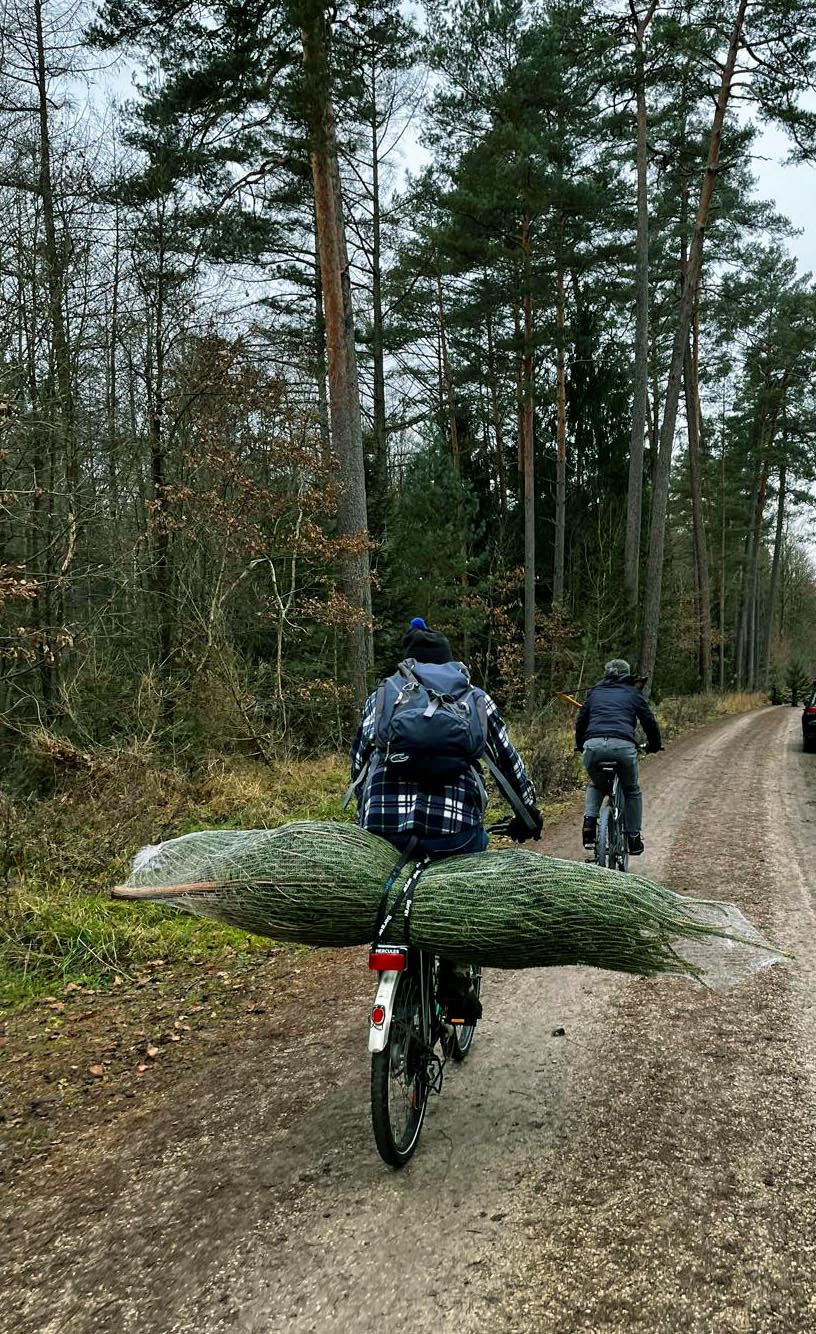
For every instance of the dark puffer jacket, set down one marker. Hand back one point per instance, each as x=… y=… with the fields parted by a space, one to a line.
x=614 y=708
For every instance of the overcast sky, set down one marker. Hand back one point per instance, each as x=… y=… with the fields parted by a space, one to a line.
x=792 y=188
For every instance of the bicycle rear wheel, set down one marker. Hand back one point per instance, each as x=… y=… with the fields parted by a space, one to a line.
x=463 y=1034
x=619 y=855
x=621 y=841
x=399 y=1077
x=603 y=849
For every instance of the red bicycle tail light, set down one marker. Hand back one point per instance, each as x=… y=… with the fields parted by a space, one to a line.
x=386 y=960
x=378 y=1016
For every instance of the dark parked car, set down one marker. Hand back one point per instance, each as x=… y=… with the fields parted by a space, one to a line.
x=809 y=720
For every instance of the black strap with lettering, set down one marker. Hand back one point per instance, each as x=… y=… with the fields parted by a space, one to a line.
x=404 y=899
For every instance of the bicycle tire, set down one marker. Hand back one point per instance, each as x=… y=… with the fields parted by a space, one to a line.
x=602 y=847
x=621 y=841
x=463 y=1034
x=399 y=1077
x=620 y=860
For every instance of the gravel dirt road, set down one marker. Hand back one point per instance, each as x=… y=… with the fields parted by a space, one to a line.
x=650 y=1169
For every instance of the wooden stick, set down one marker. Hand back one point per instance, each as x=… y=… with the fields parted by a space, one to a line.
x=161 y=891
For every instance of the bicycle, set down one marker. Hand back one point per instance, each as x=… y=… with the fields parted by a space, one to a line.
x=611 y=839
x=410 y=1065
x=411 y=1035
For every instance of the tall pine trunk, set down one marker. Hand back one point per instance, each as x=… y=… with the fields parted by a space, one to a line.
x=378 y=500
x=320 y=362
x=773 y=592
x=448 y=378
x=640 y=387
x=161 y=572
x=752 y=580
x=528 y=478
x=723 y=531
x=653 y=591
x=498 y=430
x=741 y=622
x=693 y=416
x=63 y=454
x=341 y=356
x=560 y=444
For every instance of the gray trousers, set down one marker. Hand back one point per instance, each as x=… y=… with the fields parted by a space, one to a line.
x=604 y=750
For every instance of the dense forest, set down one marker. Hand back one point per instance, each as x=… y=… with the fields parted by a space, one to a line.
x=315 y=318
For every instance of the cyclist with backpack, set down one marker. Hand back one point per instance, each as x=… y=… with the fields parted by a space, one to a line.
x=416 y=760
x=604 y=732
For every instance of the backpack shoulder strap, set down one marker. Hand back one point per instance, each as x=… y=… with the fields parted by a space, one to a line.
x=508 y=791
x=354 y=788
x=480 y=704
x=379 y=704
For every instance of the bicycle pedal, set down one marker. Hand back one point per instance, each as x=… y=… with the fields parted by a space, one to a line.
x=435 y=1075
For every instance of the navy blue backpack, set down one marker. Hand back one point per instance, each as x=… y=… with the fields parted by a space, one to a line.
x=429 y=720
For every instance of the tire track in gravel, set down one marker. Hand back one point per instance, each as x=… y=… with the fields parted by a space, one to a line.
x=636 y=1173
x=685 y=1200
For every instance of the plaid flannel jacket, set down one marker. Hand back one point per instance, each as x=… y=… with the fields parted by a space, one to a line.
x=390 y=805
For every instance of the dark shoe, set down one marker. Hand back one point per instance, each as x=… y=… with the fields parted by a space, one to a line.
x=635 y=844
x=463 y=1006
x=588 y=831
x=457 y=994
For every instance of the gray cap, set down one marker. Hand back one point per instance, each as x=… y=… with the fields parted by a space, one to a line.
x=617 y=667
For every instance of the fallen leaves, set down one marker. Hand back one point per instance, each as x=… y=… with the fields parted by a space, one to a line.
x=98 y=1049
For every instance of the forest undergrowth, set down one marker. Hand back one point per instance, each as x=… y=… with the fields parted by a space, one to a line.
x=69 y=834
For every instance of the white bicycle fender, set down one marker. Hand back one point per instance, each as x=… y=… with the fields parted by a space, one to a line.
x=378 y=1033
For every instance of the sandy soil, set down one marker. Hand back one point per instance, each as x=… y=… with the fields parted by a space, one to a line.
x=651 y=1169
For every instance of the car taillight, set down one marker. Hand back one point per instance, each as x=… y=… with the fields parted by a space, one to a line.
x=386 y=960
x=811 y=708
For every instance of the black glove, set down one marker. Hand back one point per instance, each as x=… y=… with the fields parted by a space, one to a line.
x=519 y=829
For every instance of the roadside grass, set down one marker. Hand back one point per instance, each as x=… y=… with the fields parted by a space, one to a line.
x=60 y=853
x=682 y=713
x=64 y=935
x=62 y=848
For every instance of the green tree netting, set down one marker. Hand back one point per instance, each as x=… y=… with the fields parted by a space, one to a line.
x=320 y=883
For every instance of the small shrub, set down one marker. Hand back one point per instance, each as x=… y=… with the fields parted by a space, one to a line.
x=547 y=746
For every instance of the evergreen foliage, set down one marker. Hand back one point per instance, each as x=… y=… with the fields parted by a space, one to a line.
x=183 y=556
